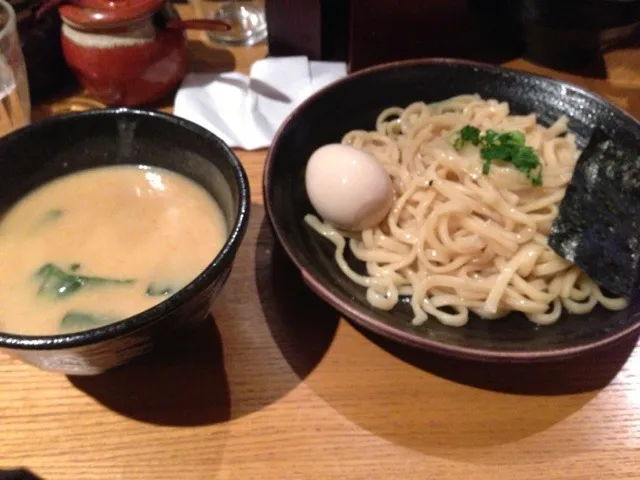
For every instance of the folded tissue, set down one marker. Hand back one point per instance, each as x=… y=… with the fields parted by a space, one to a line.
x=246 y=111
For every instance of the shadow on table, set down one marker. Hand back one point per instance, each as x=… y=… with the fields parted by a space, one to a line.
x=264 y=313
x=18 y=474
x=275 y=332
x=584 y=373
x=204 y=57
x=471 y=411
x=302 y=325
x=183 y=384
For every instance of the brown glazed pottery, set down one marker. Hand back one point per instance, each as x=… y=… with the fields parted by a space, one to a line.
x=126 y=52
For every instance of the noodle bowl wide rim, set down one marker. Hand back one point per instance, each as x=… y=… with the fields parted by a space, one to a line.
x=366 y=317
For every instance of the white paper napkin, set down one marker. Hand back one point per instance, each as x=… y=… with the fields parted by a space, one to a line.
x=246 y=111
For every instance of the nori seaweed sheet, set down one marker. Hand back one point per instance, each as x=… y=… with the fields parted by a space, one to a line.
x=598 y=225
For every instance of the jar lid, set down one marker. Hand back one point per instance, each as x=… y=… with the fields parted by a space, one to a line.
x=88 y=14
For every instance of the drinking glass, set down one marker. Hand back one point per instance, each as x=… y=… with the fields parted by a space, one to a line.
x=247 y=20
x=15 y=105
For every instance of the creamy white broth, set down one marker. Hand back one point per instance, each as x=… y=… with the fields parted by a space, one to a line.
x=135 y=227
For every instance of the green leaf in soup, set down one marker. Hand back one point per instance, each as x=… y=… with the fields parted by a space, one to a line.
x=54 y=214
x=74 y=321
x=48 y=217
x=56 y=283
x=156 y=289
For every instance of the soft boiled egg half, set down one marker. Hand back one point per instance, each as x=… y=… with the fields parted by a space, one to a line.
x=348 y=187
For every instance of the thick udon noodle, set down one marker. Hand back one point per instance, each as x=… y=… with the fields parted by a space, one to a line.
x=457 y=241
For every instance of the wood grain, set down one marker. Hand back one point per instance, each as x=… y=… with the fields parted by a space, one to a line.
x=279 y=387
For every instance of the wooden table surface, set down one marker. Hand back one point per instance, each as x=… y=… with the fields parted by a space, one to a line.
x=272 y=390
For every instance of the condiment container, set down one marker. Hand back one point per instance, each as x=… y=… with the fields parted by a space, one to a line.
x=126 y=52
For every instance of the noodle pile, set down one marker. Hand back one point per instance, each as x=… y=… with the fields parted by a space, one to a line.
x=457 y=241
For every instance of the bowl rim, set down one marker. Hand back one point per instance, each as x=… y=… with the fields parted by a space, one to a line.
x=370 y=321
x=220 y=262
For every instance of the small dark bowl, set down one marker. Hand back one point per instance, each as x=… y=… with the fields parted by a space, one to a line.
x=57 y=146
x=354 y=103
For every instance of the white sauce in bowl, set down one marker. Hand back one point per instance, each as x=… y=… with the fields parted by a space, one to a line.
x=103 y=244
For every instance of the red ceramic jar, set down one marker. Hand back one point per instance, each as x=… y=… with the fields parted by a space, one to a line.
x=123 y=55
x=126 y=52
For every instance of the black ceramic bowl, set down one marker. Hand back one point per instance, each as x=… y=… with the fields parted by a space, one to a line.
x=57 y=146
x=353 y=103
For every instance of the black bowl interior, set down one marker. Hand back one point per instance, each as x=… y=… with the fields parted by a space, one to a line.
x=354 y=104
x=59 y=146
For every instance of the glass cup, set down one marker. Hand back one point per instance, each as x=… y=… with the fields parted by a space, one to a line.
x=247 y=20
x=15 y=105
